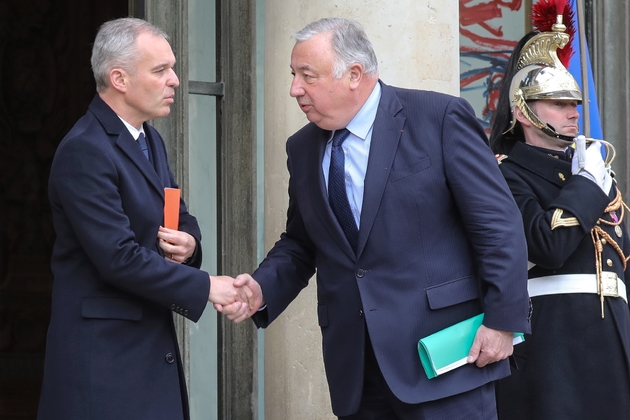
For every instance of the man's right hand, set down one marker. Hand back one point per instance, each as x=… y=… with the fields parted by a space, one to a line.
x=590 y=164
x=224 y=292
x=252 y=289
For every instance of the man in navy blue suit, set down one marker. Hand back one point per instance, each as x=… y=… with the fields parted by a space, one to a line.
x=111 y=351
x=429 y=235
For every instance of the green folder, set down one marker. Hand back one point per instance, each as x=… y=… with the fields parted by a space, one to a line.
x=448 y=349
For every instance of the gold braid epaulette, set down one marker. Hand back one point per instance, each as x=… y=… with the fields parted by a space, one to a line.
x=597 y=233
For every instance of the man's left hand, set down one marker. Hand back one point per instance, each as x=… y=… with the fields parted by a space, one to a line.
x=178 y=246
x=490 y=346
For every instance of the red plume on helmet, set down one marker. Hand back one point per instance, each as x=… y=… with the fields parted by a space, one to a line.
x=544 y=16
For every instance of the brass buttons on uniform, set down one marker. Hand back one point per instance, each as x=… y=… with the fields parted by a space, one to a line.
x=609 y=262
x=561 y=176
x=603 y=241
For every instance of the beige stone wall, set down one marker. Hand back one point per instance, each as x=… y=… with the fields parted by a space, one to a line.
x=417 y=45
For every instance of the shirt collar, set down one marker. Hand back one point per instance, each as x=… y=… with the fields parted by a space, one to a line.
x=362 y=122
x=135 y=133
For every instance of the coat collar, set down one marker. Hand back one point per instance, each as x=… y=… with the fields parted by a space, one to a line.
x=116 y=129
x=553 y=169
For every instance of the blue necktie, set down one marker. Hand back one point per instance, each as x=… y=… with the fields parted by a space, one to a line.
x=142 y=142
x=337 y=195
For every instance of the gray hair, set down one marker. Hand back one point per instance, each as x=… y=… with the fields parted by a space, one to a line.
x=349 y=41
x=115 y=47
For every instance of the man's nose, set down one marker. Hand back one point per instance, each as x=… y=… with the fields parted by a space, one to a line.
x=173 y=80
x=296 y=88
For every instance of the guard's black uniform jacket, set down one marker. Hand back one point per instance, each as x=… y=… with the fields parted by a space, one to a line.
x=575 y=365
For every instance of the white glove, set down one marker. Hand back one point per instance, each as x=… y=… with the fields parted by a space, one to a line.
x=577 y=163
x=590 y=164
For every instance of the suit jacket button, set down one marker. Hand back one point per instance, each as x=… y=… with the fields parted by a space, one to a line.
x=169 y=358
x=361 y=313
x=173 y=307
x=360 y=273
x=185 y=311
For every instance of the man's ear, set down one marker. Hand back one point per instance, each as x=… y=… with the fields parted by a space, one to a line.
x=118 y=80
x=520 y=117
x=355 y=73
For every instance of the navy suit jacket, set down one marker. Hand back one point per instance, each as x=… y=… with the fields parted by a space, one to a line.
x=111 y=351
x=440 y=240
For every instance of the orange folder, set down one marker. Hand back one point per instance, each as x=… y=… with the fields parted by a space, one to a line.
x=171 y=208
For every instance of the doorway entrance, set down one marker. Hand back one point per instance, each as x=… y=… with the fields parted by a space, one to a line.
x=46 y=84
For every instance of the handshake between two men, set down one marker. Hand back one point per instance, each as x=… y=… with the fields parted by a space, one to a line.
x=237 y=298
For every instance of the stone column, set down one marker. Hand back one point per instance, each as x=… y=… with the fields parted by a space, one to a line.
x=417 y=45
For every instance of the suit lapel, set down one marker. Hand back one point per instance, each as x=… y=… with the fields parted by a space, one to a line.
x=388 y=128
x=160 y=163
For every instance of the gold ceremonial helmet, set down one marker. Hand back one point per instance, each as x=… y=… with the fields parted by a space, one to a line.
x=541 y=75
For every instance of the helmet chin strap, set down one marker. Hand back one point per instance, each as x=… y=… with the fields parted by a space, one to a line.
x=550 y=131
